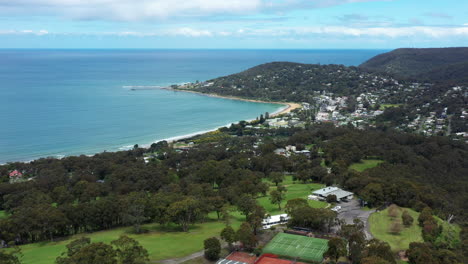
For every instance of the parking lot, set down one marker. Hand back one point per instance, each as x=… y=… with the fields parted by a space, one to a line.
x=351 y=210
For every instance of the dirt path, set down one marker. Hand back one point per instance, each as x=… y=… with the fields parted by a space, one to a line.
x=180 y=260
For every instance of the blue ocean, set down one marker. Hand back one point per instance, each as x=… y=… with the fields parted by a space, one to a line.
x=71 y=102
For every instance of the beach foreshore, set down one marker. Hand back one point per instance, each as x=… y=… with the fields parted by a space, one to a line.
x=288 y=106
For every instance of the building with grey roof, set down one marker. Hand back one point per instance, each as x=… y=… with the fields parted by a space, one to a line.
x=339 y=193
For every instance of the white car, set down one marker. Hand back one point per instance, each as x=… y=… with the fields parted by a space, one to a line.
x=336 y=208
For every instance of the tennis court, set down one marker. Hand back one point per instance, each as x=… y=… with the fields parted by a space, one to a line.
x=297 y=247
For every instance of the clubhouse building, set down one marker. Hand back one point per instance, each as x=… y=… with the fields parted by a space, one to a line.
x=322 y=194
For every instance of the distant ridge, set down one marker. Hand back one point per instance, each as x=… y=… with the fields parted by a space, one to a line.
x=433 y=64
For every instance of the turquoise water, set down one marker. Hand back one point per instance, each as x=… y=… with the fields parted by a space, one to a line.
x=71 y=102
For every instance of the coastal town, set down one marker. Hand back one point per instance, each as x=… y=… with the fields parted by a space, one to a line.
x=324 y=93
x=363 y=109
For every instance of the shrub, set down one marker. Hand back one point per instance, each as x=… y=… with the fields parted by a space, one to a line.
x=393 y=210
x=407 y=219
x=331 y=198
x=396 y=227
x=212 y=248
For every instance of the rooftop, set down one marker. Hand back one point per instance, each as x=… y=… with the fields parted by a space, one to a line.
x=339 y=193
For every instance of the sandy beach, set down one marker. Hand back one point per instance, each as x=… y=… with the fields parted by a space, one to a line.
x=288 y=106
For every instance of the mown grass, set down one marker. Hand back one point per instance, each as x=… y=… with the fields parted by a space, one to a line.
x=163 y=242
x=365 y=164
x=380 y=224
x=294 y=190
x=3 y=214
x=384 y=106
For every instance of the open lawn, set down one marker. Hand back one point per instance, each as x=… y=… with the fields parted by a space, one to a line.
x=383 y=106
x=3 y=214
x=168 y=241
x=161 y=242
x=294 y=190
x=294 y=246
x=365 y=164
x=380 y=223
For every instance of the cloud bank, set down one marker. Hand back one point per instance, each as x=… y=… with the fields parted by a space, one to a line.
x=134 y=10
x=308 y=32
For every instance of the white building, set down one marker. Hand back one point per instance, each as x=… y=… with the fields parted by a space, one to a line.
x=274 y=220
x=339 y=193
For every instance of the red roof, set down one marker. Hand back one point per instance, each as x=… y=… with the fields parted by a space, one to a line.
x=16 y=173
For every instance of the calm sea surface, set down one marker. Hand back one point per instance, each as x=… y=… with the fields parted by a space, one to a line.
x=70 y=102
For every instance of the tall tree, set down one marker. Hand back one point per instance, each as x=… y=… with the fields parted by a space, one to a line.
x=12 y=257
x=94 y=253
x=380 y=249
x=246 y=236
x=246 y=204
x=229 y=235
x=129 y=251
x=336 y=249
x=212 y=248
x=276 y=177
x=256 y=217
x=185 y=212
x=294 y=204
x=276 y=197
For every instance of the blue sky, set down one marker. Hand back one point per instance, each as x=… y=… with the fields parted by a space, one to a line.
x=251 y=24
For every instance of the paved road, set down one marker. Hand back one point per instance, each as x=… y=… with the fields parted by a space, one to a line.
x=351 y=210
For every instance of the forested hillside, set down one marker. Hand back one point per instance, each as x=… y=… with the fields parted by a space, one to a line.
x=295 y=82
x=436 y=64
x=437 y=108
x=83 y=194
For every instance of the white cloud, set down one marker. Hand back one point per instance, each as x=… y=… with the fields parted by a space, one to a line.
x=386 y=32
x=41 y=32
x=284 y=32
x=190 y=32
x=133 y=10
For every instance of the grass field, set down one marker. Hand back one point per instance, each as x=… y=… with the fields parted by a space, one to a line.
x=3 y=214
x=380 y=223
x=294 y=246
x=161 y=243
x=166 y=242
x=383 y=106
x=294 y=190
x=365 y=164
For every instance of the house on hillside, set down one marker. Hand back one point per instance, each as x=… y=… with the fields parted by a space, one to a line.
x=281 y=151
x=15 y=176
x=341 y=195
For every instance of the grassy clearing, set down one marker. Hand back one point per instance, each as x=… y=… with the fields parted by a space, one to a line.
x=3 y=214
x=383 y=106
x=380 y=224
x=365 y=164
x=161 y=242
x=294 y=190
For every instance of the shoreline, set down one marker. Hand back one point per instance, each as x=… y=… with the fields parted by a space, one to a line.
x=288 y=106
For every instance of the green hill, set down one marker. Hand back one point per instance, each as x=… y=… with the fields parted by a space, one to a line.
x=435 y=64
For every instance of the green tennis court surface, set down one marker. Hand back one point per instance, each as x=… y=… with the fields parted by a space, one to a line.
x=295 y=246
